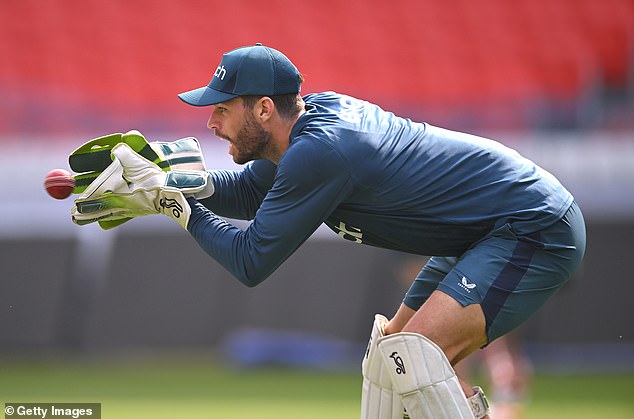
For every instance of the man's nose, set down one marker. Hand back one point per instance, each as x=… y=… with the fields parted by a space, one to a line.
x=212 y=123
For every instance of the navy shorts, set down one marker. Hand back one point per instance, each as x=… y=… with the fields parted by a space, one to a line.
x=509 y=275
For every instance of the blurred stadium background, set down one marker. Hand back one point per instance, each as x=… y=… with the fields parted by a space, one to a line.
x=91 y=311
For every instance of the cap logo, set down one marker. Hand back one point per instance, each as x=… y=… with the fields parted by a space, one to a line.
x=220 y=72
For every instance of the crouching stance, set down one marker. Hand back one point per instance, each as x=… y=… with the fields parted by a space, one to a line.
x=503 y=234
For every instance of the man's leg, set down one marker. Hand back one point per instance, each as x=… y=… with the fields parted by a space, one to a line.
x=457 y=330
x=424 y=346
x=461 y=304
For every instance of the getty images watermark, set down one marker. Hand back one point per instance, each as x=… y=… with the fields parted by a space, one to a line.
x=52 y=410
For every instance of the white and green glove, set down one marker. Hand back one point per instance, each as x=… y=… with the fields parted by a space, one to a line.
x=93 y=158
x=132 y=186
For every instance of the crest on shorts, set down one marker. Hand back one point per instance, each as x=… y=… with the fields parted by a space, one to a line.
x=466 y=285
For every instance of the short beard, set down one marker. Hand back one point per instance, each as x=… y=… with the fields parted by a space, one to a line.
x=252 y=141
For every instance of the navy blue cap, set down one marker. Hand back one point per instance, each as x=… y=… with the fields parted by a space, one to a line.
x=255 y=70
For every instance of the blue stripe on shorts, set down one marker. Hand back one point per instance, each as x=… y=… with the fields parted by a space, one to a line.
x=507 y=280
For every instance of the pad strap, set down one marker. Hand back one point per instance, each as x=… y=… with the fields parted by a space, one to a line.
x=479 y=403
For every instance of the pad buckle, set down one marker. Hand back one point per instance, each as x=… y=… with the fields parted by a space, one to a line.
x=479 y=403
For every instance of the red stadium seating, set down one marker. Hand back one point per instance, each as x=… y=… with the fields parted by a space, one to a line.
x=81 y=62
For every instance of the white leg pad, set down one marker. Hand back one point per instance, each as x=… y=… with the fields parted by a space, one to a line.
x=378 y=399
x=423 y=376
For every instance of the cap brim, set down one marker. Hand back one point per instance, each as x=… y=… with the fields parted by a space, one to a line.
x=205 y=96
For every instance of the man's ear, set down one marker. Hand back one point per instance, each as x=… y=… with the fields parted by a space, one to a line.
x=264 y=109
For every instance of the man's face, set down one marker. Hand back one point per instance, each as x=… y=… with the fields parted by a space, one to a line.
x=233 y=122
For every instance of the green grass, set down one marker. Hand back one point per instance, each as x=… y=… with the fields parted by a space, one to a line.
x=582 y=397
x=196 y=388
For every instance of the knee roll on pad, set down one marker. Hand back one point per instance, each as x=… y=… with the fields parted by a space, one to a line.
x=423 y=376
x=378 y=399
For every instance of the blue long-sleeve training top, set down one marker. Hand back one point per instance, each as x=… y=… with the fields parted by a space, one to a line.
x=376 y=179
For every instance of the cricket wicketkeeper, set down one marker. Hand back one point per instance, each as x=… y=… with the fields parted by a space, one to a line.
x=503 y=234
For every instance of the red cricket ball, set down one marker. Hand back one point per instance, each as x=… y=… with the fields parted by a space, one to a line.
x=59 y=183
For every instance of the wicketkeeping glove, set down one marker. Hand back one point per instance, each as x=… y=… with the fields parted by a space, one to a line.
x=133 y=186
x=93 y=157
